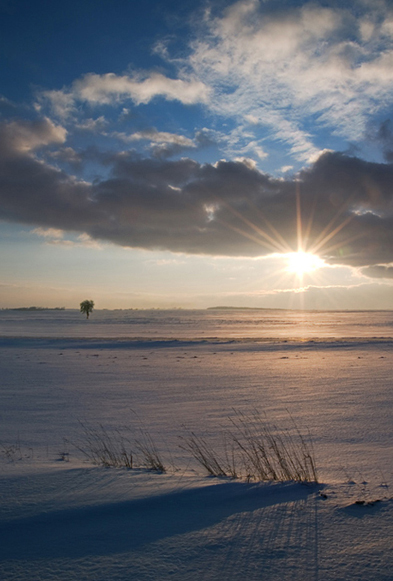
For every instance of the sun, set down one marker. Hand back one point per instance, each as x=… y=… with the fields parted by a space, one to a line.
x=301 y=263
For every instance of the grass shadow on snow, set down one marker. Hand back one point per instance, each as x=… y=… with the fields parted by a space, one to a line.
x=126 y=526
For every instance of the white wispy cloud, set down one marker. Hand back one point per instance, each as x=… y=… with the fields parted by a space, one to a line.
x=56 y=236
x=93 y=125
x=62 y=102
x=49 y=233
x=284 y=69
x=286 y=168
x=155 y=136
x=109 y=89
x=280 y=74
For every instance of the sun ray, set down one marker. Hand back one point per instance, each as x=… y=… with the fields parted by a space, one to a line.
x=342 y=243
x=271 y=247
x=329 y=236
x=310 y=222
x=301 y=266
x=320 y=239
x=299 y=220
x=280 y=239
x=276 y=244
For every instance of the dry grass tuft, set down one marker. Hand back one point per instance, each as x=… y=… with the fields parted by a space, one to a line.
x=263 y=451
x=253 y=448
x=204 y=454
x=151 y=459
x=106 y=448
x=270 y=453
x=112 y=448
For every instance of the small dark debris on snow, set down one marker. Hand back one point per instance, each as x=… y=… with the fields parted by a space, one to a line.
x=368 y=503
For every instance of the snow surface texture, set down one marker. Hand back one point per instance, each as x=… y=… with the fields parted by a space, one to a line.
x=62 y=518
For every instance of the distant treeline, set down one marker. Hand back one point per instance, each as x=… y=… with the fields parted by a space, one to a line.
x=224 y=308
x=36 y=309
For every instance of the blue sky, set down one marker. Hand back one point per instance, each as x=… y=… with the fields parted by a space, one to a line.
x=180 y=153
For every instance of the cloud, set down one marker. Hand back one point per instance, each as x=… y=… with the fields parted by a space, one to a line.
x=51 y=233
x=160 y=137
x=335 y=297
x=68 y=155
x=62 y=102
x=25 y=136
x=82 y=241
x=164 y=144
x=57 y=237
x=31 y=191
x=108 y=89
x=383 y=135
x=289 y=70
x=281 y=71
x=378 y=271
x=229 y=208
x=93 y=125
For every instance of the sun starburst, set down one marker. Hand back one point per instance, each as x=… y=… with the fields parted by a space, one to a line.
x=301 y=263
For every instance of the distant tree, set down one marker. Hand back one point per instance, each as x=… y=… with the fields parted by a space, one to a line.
x=87 y=307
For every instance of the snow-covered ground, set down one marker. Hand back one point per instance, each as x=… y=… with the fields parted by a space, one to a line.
x=168 y=372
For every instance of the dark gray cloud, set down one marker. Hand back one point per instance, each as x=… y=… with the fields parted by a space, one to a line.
x=383 y=135
x=67 y=155
x=167 y=150
x=229 y=208
x=163 y=145
x=21 y=137
x=378 y=271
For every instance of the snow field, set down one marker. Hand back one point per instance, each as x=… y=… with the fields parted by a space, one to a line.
x=69 y=520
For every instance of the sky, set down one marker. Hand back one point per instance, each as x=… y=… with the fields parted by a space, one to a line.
x=195 y=154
